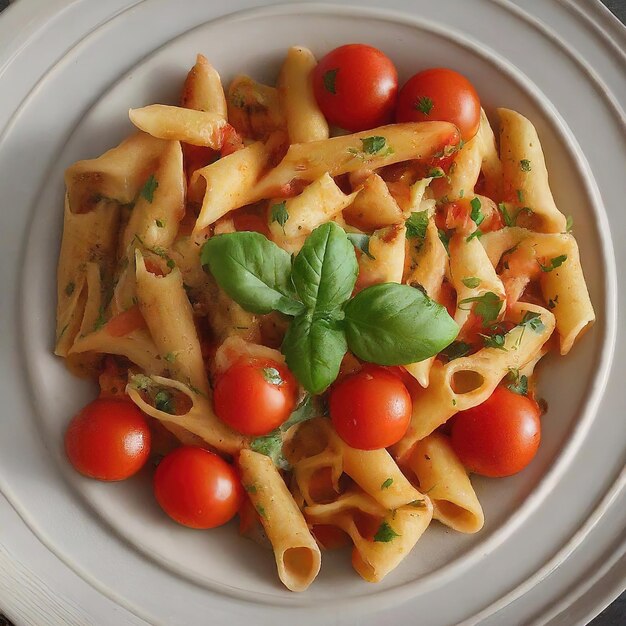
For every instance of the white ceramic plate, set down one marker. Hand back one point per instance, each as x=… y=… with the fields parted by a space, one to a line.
x=66 y=82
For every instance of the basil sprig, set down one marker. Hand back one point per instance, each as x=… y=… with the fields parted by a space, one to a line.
x=388 y=324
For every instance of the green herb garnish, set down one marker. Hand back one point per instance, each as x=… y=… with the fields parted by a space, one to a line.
x=486 y=306
x=416 y=225
x=554 y=263
x=279 y=213
x=329 y=78
x=425 y=105
x=150 y=186
x=385 y=533
x=471 y=282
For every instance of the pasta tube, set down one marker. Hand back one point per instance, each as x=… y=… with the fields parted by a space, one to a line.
x=443 y=477
x=168 y=314
x=199 y=420
x=305 y=121
x=203 y=90
x=298 y=557
x=524 y=171
x=198 y=128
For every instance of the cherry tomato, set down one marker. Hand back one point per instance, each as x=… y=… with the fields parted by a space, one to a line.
x=440 y=94
x=108 y=439
x=370 y=409
x=499 y=437
x=254 y=396
x=197 y=488
x=356 y=86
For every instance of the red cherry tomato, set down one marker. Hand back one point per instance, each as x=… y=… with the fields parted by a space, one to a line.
x=499 y=437
x=255 y=396
x=356 y=86
x=440 y=94
x=197 y=488
x=108 y=439
x=370 y=409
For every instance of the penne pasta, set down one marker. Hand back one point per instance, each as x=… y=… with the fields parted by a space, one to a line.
x=385 y=262
x=199 y=419
x=426 y=262
x=381 y=538
x=168 y=314
x=442 y=476
x=320 y=201
x=374 y=207
x=305 y=121
x=297 y=555
x=254 y=109
x=229 y=183
x=198 y=128
x=203 y=90
x=374 y=148
x=158 y=210
x=524 y=172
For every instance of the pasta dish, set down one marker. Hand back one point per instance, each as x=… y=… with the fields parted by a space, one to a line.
x=318 y=306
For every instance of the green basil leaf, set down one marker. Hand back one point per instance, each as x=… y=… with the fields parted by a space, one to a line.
x=325 y=270
x=313 y=348
x=252 y=270
x=392 y=324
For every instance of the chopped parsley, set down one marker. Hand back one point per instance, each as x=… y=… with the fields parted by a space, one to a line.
x=169 y=261
x=525 y=165
x=69 y=288
x=387 y=484
x=552 y=302
x=506 y=216
x=362 y=242
x=456 y=350
x=557 y=261
x=494 y=341
x=385 y=533
x=520 y=195
x=160 y=223
x=516 y=383
x=476 y=215
x=329 y=79
x=471 y=282
x=416 y=225
x=425 y=105
x=163 y=402
x=150 y=186
x=532 y=320
x=487 y=306
x=418 y=504
x=372 y=145
x=279 y=213
x=170 y=357
x=250 y=488
x=569 y=224
x=461 y=193
x=436 y=172
x=260 y=509
x=272 y=375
